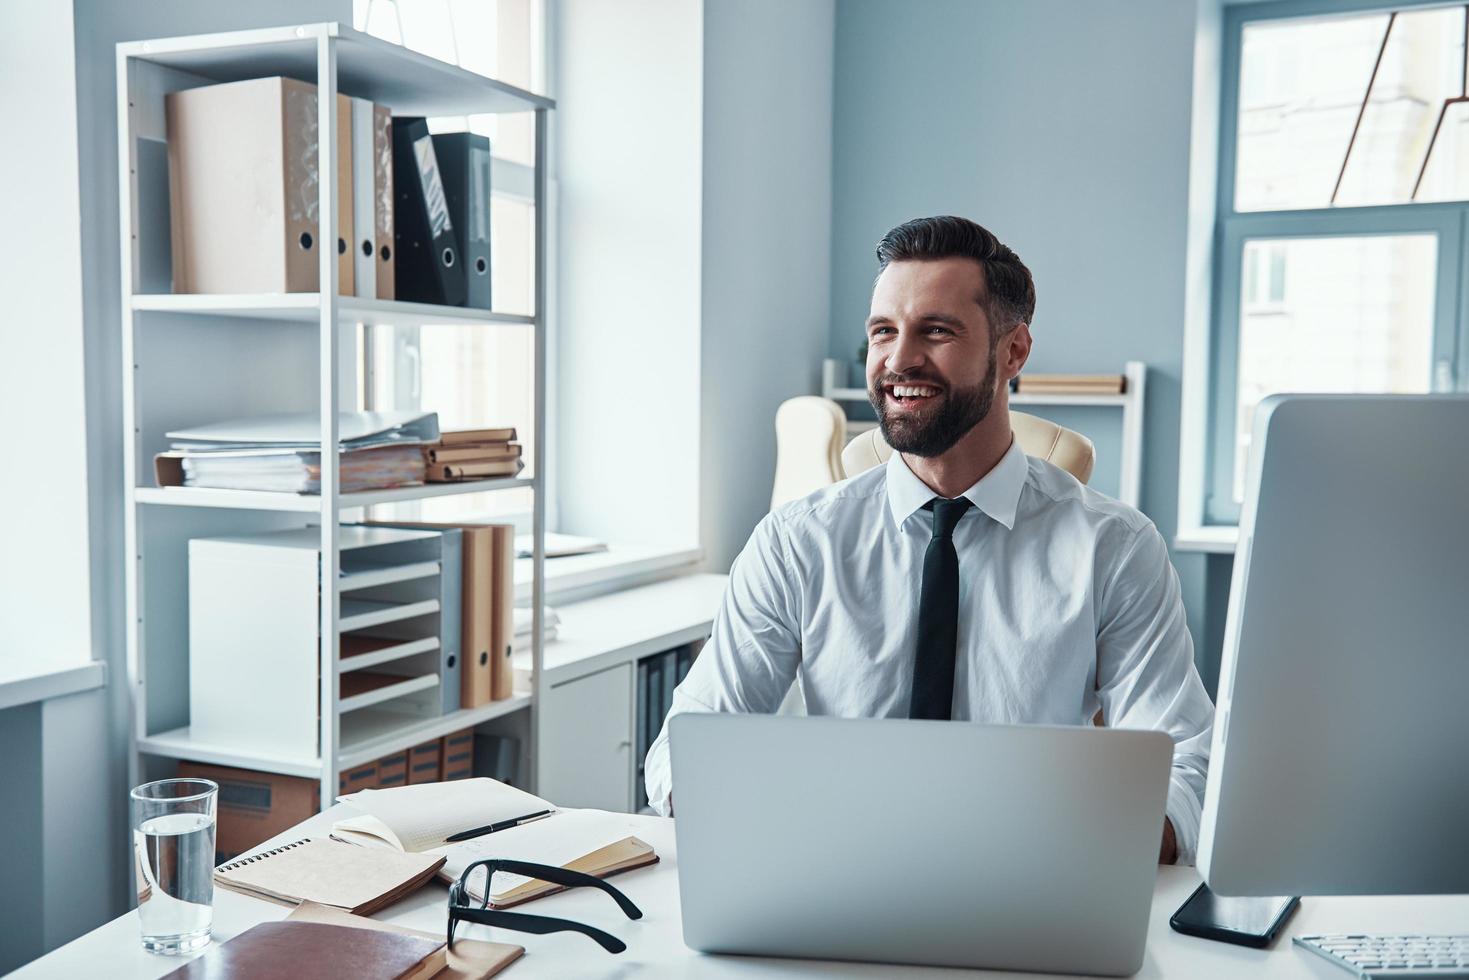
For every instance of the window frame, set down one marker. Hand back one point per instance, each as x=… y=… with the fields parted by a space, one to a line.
x=1447 y=220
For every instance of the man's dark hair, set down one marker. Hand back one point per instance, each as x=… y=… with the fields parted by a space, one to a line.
x=1009 y=289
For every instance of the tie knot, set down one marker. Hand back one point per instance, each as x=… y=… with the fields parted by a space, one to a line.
x=946 y=514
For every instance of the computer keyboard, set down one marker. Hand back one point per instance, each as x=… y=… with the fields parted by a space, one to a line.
x=1407 y=956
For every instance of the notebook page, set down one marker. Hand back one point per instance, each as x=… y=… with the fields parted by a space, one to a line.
x=558 y=840
x=325 y=871
x=422 y=815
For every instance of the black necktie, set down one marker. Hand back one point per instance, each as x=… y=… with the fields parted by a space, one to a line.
x=938 y=615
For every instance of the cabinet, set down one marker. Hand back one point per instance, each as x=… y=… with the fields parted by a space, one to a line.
x=590 y=763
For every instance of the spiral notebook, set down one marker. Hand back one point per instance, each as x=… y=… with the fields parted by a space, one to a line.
x=360 y=880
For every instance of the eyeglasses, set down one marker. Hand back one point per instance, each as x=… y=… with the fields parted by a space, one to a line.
x=464 y=908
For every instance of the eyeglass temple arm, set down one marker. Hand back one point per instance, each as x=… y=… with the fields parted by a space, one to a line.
x=540 y=925
x=567 y=877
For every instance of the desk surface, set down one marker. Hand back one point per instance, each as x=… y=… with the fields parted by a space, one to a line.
x=656 y=949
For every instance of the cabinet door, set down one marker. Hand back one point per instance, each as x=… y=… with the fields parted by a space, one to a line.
x=586 y=751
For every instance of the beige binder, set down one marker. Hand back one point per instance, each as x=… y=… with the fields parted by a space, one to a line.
x=502 y=673
x=382 y=144
x=372 y=199
x=243 y=193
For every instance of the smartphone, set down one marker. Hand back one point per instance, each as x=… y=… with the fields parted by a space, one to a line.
x=1243 y=921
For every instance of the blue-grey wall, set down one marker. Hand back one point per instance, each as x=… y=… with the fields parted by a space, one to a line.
x=1064 y=128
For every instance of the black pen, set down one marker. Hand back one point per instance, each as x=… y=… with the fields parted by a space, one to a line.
x=502 y=825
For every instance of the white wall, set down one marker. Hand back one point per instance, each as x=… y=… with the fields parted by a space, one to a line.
x=766 y=245
x=45 y=596
x=65 y=765
x=629 y=89
x=694 y=164
x=45 y=591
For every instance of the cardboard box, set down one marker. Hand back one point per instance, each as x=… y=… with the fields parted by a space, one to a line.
x=360 y=778
x=456 y=754
x=254 y=806
x=392 y=770
x=424 y=762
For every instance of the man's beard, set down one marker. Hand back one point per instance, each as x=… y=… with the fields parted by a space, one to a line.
x=939 y=427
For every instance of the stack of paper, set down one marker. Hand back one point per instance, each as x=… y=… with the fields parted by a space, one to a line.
x=524 y=627
x=558 y=545
x=282 y=453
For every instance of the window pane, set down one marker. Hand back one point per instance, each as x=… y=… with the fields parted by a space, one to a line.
x=495 y=38
x=1302 y=83
x=1340 y=314
x=512 y=255
x=473 y=377
x=1421 y=67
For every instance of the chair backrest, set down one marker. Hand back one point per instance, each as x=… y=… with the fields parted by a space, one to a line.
x=1038 y=437
x=809 y=434
x=811 y=431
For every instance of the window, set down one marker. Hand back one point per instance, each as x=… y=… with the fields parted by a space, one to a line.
x=1344 y=177
x=473 y=376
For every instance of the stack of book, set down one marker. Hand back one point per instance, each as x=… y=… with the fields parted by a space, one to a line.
x=1070 y=384
x=282 y=453
x=472 y=454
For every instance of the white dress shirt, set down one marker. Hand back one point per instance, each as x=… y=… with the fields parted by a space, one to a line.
x=1067 y=604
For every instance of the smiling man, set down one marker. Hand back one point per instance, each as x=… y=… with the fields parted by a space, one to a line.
x=964 y=580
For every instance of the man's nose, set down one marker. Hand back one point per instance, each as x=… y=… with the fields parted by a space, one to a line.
x=905 y=355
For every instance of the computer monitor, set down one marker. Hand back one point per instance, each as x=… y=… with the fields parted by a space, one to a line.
x=1340 y=760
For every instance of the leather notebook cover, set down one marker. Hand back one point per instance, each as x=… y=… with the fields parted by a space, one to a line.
x=311 y=950
x=470 y=959
x=358 y=879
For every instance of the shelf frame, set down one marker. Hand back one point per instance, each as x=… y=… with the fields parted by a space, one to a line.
x=303 y=308
x=332 y=57
x=180 y=744
x=300 y=503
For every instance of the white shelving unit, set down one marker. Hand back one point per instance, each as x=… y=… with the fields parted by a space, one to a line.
x=834 y=386
x=193 y=358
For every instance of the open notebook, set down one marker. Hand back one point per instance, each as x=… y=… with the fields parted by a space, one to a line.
x=420 y=818
x=593 y=842
x=329 y=872
x=424 y=815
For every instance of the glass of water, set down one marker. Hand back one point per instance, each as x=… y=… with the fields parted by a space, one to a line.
x=173 y=857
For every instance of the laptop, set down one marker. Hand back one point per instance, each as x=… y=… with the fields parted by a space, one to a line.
x=919 y=842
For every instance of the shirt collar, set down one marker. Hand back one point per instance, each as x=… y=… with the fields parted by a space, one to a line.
x=997 y=493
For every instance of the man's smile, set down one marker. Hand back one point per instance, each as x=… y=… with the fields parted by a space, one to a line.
x=912 y=396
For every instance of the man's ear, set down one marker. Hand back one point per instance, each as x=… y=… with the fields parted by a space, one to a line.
x=1014 y=351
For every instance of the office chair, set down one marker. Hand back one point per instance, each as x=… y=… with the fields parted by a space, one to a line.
x=810 y=436
x=812 y=451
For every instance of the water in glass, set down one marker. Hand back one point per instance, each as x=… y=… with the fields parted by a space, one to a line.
x=173 y=851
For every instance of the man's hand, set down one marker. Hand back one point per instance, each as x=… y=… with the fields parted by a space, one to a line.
x=1168 y=853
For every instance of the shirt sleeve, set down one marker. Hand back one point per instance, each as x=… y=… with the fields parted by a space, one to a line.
x=1146 y=677
x=752 y=654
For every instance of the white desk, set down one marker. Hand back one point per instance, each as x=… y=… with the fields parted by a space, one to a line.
x=656 y=949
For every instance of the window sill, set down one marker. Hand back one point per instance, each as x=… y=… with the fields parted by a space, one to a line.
x=18 y=689
x=1214 y=539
